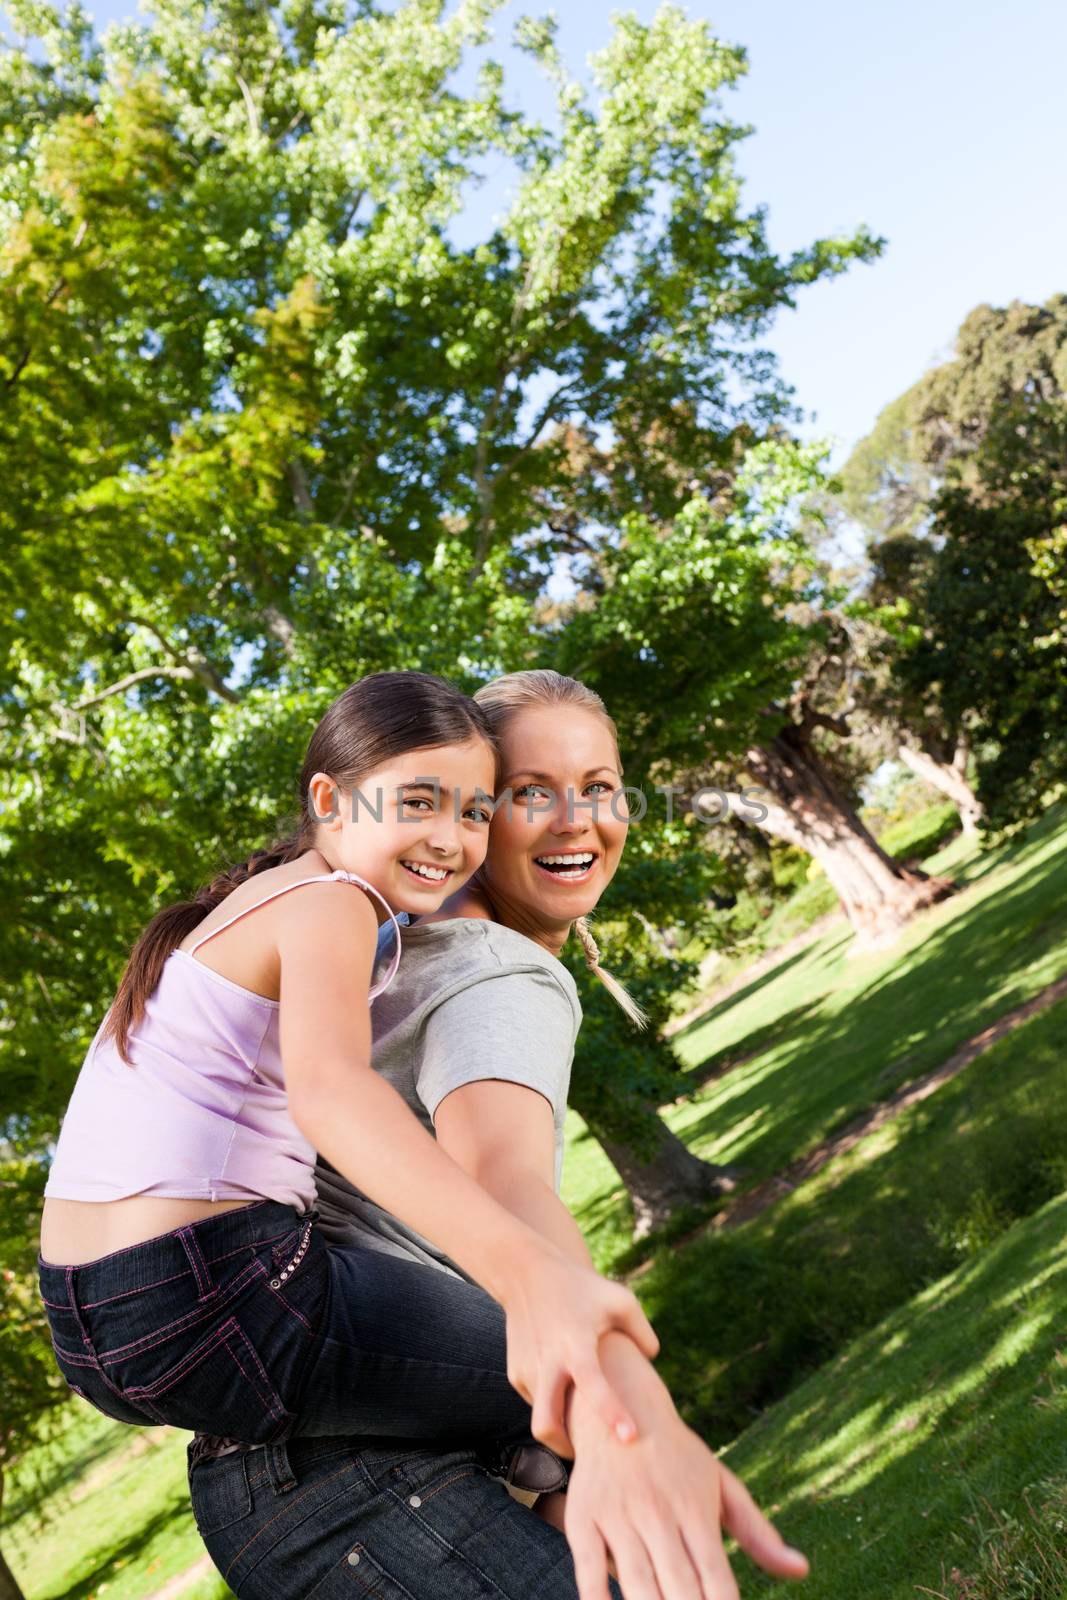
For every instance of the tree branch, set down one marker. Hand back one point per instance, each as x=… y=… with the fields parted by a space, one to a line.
x=194 y=664
x=128 y=683
x=250 y=106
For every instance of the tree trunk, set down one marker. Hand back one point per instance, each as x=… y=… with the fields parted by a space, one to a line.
x=950 y=778
x=9 y=1589
x=806 y=808
x=671 y=1178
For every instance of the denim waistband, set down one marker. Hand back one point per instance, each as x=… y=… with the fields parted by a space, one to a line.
x=196 y=1246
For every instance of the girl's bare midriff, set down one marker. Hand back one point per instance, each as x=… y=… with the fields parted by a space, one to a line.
x=76 y=1231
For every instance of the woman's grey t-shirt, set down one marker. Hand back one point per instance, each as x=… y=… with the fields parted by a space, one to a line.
x=471 y=1000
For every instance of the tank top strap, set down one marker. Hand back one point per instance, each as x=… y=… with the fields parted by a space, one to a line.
x=383 y=983
x=338 y=876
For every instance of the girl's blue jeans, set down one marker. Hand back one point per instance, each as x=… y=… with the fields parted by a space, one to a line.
x=247 y=1324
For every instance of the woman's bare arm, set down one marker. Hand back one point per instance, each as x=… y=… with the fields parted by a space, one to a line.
x=503 y=1135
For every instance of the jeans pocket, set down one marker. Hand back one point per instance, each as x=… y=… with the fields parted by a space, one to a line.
x=220 y=1386
x=220 y=1493
x=356 y=1573
x=417 y=1475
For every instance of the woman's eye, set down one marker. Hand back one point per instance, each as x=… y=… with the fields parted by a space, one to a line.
x=600 y=783
x=532 y=788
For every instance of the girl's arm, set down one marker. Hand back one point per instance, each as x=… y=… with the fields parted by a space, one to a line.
x=557 y=1311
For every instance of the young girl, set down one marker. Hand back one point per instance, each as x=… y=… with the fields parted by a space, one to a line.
x=183 y=1275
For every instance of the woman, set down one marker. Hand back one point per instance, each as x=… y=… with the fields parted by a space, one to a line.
x=478 y=1038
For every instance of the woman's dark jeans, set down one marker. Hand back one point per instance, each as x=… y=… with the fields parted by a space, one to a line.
x=344 y=1519
x=248 y=1324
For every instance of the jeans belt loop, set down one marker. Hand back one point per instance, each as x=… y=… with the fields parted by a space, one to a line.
x=279 y=1469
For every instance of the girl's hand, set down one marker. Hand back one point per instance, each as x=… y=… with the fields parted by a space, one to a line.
x=557 y=1313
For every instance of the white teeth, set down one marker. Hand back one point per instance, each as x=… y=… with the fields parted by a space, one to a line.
x=435 y=874
x=580 y=858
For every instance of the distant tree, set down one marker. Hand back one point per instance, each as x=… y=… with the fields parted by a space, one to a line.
x=32 y=1390
x=962 y=489
x=715 y=641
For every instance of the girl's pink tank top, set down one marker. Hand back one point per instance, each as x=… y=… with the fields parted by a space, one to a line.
x=202 y=1113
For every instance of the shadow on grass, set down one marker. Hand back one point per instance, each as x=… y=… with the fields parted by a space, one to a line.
x=29 y=1496
x=896 y=1461
x=744 y=1316
x=125 y=1551
x=841 y=1053
x=735 y=999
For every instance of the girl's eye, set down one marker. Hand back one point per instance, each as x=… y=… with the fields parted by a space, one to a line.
x=478 y=814
x=417 y=800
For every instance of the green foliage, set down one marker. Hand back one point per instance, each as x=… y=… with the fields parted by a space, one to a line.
x=961 y=486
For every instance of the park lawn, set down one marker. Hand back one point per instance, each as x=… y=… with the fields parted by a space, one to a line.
x=790 y=1058
x=118 y=1522
x=936 y=1441
x=746 y=1314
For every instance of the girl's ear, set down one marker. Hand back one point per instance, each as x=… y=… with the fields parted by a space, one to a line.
x=324 y=800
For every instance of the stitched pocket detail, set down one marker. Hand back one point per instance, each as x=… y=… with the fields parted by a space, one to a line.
x=220 y=1386
x=357 y=1576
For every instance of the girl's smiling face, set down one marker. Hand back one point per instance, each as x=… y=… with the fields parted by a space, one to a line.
x=555 y=848
x=417 y=828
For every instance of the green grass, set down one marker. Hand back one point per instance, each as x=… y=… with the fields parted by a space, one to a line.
x=933 y=1187
x=935 y=1443
x=790 y=1058
x=117 y=1517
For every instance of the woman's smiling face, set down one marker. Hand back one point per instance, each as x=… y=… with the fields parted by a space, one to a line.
x=554 y=850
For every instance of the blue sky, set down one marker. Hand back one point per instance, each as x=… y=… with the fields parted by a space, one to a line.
x=939 y=123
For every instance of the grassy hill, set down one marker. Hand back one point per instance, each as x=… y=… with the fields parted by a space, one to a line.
x=930 y=1457
x=879 y=1349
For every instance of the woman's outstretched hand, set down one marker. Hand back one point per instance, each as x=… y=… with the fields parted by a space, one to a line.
x=557 y=1313
x=653 y=1512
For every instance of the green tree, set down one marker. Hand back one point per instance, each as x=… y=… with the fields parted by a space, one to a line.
x=961 y=488
x=716 y=639
x=267 y=425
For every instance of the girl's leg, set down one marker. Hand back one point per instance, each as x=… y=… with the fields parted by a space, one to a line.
x=247 y=1324
x=404 y=1351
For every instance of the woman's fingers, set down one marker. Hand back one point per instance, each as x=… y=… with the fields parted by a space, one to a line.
x=709 y=1558
x=636 y=1573
x=548 y=1422
x=758 y=1537
x=676 y=1573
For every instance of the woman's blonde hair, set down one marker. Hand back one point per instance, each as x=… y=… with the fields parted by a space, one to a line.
x=501 y=700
